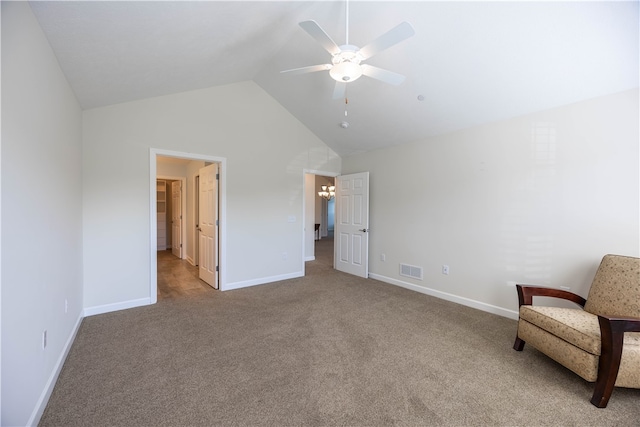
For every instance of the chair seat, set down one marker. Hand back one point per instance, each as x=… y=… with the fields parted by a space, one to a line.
x=574 y=326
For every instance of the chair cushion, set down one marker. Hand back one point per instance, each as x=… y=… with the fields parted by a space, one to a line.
x=615 y=290
x=581 y=362
x=629 y=373
x=568 y=355
x=575 y=326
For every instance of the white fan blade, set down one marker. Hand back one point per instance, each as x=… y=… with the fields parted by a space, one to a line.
x=400 y=32
x=382 y=75
x=339 y=90
x=310 y=69
x=321 y=37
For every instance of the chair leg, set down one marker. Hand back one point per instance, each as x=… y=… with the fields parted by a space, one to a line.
x=519 y=344
x=603 y=391
x=609 y=362
x=607 y=373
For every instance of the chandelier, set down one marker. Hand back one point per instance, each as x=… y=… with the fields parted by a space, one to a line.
x=328 y=192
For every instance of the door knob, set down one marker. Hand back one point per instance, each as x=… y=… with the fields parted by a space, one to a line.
x=364 y=230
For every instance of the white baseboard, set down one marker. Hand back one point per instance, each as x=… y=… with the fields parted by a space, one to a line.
x=449 y=297
x=51 y=382
x=261 y=281
x=107 y=308
x=191 y=261
x=310 y=258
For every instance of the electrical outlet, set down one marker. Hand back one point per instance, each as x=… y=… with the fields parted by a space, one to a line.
x=66 y=306
x=445 y=269
x=285 y=256
x=44 y=339
x=383 y=257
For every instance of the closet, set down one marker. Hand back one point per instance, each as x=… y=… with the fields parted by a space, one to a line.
x=161 y=211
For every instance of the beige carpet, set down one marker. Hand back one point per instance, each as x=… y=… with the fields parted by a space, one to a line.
x=327 y=349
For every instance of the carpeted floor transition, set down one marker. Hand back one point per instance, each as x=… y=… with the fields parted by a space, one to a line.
x=326 y=349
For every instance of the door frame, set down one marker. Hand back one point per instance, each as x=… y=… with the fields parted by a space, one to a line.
x=183 y=221
x=304 y=204
x=222 y=208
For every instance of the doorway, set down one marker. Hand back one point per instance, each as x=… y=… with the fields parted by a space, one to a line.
x=325 y=208
x=188 y=214
x=318 y=238
x=170 y=206
x=351 y=221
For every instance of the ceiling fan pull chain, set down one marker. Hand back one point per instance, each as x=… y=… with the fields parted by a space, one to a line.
x=346 y=103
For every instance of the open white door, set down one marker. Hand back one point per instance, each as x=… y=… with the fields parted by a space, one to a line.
x=208 y=228
x=352 y=224
x=176 y=218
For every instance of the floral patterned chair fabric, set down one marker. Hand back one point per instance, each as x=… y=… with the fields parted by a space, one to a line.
x=600 y=341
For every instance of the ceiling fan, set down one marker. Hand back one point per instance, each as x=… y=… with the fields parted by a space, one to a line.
x=346 y=60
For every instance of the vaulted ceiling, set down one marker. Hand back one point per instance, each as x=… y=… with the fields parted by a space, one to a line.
x=469 y=63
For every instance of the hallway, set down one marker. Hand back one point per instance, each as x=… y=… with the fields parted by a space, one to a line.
x=176 y=278
x=324 y=251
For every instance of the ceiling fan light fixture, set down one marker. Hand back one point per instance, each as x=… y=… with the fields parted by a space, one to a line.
x=345 y=72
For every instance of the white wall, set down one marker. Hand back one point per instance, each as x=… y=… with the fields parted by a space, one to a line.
x=169 y=169
x=266 y=150
x=535 y=199
x=41 y=216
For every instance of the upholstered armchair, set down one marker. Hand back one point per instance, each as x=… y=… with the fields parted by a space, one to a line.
x=599 y=341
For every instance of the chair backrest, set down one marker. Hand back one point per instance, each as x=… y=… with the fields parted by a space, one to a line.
x=615 y=290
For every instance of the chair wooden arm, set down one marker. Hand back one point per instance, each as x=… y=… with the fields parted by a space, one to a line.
x=612 y=331
x=525 y=297
x=526 y=294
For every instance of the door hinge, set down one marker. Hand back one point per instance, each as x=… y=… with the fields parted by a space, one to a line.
x=180 y=244
x=217 y=268
x=217 y=176
x=217 y=222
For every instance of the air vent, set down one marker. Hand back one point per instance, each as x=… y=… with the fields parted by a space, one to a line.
x=411 y=271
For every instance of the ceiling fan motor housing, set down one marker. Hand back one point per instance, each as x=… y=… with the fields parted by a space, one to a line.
x=346 y=64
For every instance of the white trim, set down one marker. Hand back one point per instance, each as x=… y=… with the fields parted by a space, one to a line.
x=153 y=231
x=449 y=297
x=222 y=187
x=51 y=382
x=310 y=258
x=116 y=306
x=304 y=214
x=263 y=280
x=191 y=261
